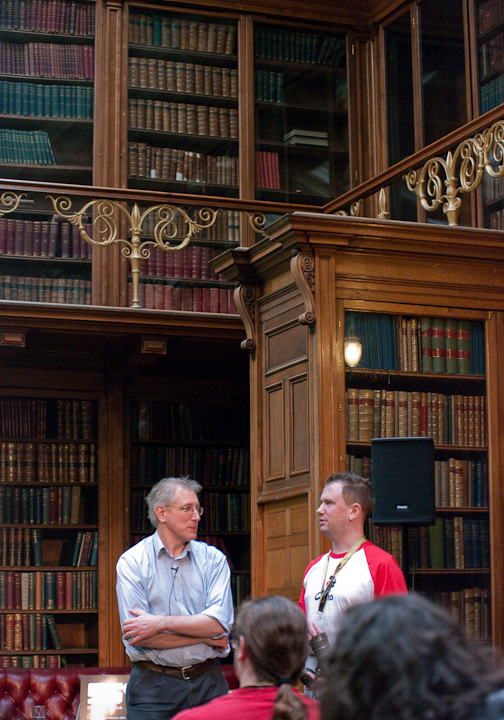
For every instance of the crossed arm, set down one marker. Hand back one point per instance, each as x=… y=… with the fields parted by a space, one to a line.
x=172 y=631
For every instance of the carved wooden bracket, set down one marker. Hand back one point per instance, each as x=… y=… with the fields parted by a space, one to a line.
x=244 y=297
x=303 y=272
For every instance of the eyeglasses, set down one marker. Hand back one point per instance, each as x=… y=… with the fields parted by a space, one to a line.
x=189 y=509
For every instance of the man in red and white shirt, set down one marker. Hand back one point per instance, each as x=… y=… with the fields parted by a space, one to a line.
x=365 y=571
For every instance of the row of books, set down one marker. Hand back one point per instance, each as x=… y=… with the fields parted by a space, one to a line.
x=225 y=512
x=470 y=607
x=496 y=220
x=492 y=55
x=448 y=419
x=490 y=12
x=226 y=228
x=54 y=16
x=182 y=77
x=491 y=93
x=72 y=291
x=42 y=238
x=301 y=47
x=156 y=295
x=424 y=344
x=23 y=547
x=181 y=422
x=165 y=163
x=49 y=590
x=269 y=86
x=26 y=631
x=176 y=33
x=61 y=505
x=461 y=483
x=240 y=588
x=458 y=483
x=47 y=60
x=387 y=538
x=50 y=101
x=33 y=661
x=192 y=262
x=44 y=418
x=183 y=118
x=267 y=171
x=452 y=543
x=28 y=147
x=210 y=466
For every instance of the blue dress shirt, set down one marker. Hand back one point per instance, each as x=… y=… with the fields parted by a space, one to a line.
x=197 y=581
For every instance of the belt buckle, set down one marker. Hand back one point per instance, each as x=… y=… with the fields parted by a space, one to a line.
x=187 y=667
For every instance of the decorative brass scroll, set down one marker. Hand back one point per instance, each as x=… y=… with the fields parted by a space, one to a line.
x=105 y=225
x=9 y=202
x=462 y=171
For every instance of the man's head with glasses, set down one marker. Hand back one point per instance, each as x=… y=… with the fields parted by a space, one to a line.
x=174 y=511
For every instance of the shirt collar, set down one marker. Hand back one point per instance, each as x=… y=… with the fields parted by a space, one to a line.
x=160 y=547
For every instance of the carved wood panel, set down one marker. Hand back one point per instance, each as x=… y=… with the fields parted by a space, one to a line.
x=286 y=546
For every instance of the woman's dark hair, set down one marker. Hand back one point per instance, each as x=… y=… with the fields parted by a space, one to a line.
x=404 y=658
x=276 y=636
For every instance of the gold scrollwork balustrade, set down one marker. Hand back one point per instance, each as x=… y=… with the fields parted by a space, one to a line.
x=106 y=227
x=356 y=209
x=257 y=221
x=463 y=171
x=9 y=201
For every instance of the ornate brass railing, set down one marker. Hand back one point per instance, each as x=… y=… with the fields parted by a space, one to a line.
x=117 y=219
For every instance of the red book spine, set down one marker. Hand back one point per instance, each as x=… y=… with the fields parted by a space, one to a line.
x=37 y=238
x=159 y=296
x=11 y=234
x=60 y=591
x=65 y=240
x=160 y=261
x=69 y=590
x=53 y=238
x=3 y=236
x=186 y=301
x=75 y=242
x=169 y=263
x=198 y=299
x=205 y=303
x=10 y=589
x=28 y=238
x=151 y=263
x=176 y=298
x=19 y=238
x=223 y=301
x=214 y=300
x=148 y=304
x=168 y=297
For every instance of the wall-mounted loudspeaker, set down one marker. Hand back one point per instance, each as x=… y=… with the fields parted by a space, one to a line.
x=402 y=474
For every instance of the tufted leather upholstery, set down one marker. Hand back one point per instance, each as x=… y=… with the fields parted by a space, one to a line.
x=58 y=690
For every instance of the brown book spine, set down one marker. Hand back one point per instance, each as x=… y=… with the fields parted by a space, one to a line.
x=222 y=31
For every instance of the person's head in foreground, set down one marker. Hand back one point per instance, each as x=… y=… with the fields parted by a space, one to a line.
x=270 y=639
x=404 y=658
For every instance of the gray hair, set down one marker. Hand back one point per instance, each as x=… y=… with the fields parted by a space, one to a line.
x=164 y=493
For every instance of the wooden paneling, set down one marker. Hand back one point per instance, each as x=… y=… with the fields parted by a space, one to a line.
x=275 y=433
x=286 y=546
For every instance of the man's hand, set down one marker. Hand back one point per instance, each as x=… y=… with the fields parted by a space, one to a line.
x=313 y=629
x=221 y=643
x=142 y=626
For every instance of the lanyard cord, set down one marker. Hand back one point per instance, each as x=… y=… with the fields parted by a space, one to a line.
x=325 y=593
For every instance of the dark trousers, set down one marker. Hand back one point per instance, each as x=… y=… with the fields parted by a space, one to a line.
x=153 y=695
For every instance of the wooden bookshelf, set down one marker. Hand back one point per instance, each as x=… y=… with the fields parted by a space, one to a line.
x=49 y=529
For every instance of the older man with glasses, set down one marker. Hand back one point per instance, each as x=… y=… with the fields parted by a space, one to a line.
x=176 y=608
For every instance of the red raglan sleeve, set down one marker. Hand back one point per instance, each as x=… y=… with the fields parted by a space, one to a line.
x=388 y=578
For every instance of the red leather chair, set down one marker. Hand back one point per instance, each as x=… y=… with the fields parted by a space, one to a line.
x=58 y=690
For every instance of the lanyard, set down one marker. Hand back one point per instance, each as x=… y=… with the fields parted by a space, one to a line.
x=324 y=594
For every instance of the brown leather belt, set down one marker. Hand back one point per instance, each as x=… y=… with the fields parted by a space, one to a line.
x=187 y=673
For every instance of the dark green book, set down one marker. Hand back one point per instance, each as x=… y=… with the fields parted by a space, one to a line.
x=449 y=543
x=50 y=590
x=37 y=547
x=53 y=630
x=77 y=546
